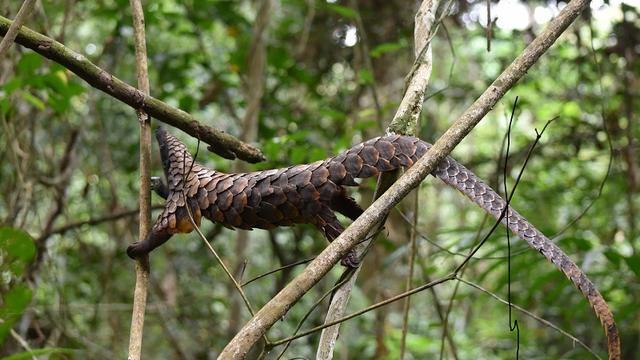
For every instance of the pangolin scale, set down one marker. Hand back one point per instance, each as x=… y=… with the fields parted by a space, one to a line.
x=312 y=193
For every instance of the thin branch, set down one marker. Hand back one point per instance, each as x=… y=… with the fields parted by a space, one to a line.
x=364 y=46
x=222 y=264
x=219 y=142
x=13 y=30
x=65 y=171
x=144 y=198
x=388 y=301
x=240 y=345
x=96 y=221
x=340 y=283
x=413 y=249
x=281 y=268
x=531 y=315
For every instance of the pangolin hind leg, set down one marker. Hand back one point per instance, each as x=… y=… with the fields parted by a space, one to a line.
x=346 y=205
x=331 y=227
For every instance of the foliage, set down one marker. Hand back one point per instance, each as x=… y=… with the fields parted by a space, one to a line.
x=318 y=100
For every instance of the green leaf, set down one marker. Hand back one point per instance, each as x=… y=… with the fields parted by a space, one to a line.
x=58 y=103
x=386 y=48
x=299 y=155
x=579 y=243
x=17 y=243
x=11 y=86
x=613 y=256
x=343 y=11
x=365 y=76
x=333 y=114
x=15 y=302
x=37 y=103
x=28 y=63
x=633 y=262
x=571 y=109
x=4 y=106
x=38 y=352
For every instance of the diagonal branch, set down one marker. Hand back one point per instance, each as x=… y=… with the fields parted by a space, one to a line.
x=239 y=346
x=219 y=142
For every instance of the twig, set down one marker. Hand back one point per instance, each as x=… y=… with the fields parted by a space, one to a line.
x=240 y=345
x=65 y=171
x=531 y=315
x=388 y=301
x=97 y=220
x=412 y=258
x=281 y=268
x=12 y=32
x=364 y=46
x=144 y=198
x=340 y=283
x=607 y=133
x=220 y=142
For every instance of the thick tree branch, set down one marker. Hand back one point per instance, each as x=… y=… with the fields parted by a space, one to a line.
x=280 y=304
x=220 y=142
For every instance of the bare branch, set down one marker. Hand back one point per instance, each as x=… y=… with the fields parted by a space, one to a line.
x=95 y=221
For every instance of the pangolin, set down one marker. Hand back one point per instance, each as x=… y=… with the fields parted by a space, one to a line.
x=312 y=193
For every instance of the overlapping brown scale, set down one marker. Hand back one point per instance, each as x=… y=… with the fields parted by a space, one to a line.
x=292 y=194
x=232 y=217
x=280 y=179
x=367 y=171
x=369 y=154
x=290 y=210
x=224 y=184
x=269 y=212
x=239 y=201
x=383 y=165
x=353 y=163
x=214 y=214
x=276 y=197
x=385 y=148
x=405 y=146
x=327 y=191
x=337 y=172
x=203 y=198
x=239 y=184
x=404 y=160
x=300 y=179
x=319 y=176
x=225 y=199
